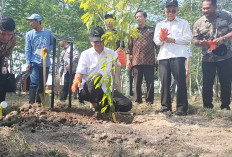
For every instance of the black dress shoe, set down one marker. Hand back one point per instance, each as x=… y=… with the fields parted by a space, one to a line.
x=61 y=99
x=181 y=113
x=138 y=102
x=208 y=106
x=149 y=103
x=225 y=108
x=162 y=110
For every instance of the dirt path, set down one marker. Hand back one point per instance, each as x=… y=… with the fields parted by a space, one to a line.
x=77 y=133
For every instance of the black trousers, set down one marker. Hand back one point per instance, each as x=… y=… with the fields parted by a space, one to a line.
x=224 y=71
x=131 y=81
x=89 y=93
x=2 y=86
x=148 y=72
x=176 y=66
x=65 y=89
x=3 y=78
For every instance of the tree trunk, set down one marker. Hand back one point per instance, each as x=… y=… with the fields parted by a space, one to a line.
x=3 y=6
x=197 y=81
x=216 y=87
x=123 y=78
x=127 y=79
x=190 y=83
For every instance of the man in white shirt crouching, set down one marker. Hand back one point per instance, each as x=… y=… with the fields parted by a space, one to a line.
x=92 y=63
x=172 y=35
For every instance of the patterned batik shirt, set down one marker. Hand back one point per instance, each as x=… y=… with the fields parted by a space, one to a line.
x=209 y=30
x=142 y=48
x=6 y=49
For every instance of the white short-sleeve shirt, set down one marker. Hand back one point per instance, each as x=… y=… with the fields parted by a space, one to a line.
x=91 y=62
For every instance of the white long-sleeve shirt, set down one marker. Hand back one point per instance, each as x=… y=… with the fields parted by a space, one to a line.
x=179 y=29
x=91 y=62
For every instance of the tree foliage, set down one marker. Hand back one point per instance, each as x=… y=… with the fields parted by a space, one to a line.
x=60 y=17
x=95 y=10
x=66 y=17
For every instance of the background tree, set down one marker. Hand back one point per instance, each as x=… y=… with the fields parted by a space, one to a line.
x=66 y=17
x=58 y=16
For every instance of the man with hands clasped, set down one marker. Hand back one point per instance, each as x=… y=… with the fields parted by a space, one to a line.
x=172 y=35
x=141 y=58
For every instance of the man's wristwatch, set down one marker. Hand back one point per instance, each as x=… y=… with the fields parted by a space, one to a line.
x=224 y=39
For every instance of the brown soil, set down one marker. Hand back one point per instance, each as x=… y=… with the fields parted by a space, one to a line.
x=77 y=132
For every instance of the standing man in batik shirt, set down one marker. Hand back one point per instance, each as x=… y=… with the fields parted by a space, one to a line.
x=143 y=58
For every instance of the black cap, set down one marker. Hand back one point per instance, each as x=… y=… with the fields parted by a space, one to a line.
x=171 y=3
x=7 y=24
x=107 y=16
x=96 y=33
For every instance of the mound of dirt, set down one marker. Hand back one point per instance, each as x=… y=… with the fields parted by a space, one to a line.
x=77 y=132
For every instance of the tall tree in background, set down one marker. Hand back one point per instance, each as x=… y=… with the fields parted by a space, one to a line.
x=191 y=11
x=61 y=18
x=65 y=17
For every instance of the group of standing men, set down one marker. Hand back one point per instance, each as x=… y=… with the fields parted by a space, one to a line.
x=170 y=37
x=212 y=32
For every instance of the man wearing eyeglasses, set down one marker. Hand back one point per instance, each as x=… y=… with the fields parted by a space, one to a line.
x=172 y=35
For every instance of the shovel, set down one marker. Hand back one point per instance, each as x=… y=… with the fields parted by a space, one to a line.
x=45 y=98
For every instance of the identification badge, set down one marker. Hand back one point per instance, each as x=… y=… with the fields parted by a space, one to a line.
x=38 y=52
